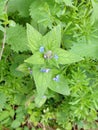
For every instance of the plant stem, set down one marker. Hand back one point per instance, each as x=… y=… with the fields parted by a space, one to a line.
x=3 y=43
x=4 y=35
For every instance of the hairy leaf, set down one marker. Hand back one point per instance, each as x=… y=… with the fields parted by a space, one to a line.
x=60 y=85
x=40 y=12
x=2 y=3
x=35 y=59
x=53 y=38
x=22 y=6
x=2 y=100
x=40 y=100
x=42 y=80
x=86 y=49
x=33 y=38
x=66 y=57
x=16 y=37
x=95 y=10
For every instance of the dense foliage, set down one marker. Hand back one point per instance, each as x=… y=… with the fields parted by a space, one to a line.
x=48 y=64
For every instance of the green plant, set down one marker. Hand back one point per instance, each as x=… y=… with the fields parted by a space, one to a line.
x=48 y=64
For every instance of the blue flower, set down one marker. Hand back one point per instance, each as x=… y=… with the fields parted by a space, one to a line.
x=56 y=56
x=44 y=97
x=41 y=49
x=56 y=78
x=45 y=70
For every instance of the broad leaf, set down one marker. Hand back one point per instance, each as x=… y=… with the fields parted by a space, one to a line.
x=23 y=68
x=2 y=4
x=40 y=12
x=42 y=79
x=33 y=38
x=86 y=49
x=35 y=59
x=95 y=10
x=59 y=86
x=16 y=37
x=66 y=57
x=53 y=38
x=2 y=100
x=4 y=115
x=40 y=100
x=15 y=124
x=21 y=6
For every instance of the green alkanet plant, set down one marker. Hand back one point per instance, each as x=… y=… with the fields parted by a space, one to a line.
x=46 y=60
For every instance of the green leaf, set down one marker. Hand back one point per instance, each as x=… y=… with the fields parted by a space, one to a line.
x=23 y=68
x=40 y=100
x=42 y=79
x=66 y=57
x=86 y=49
x=67 y=2
x=2 y=4
x=35 y=59
x=60 y=86
x=95 y=10
x=22 y=6
x=4 y=115
x=2 y=100
x=53 y=38
x=40 y=12
x=15 y=124
x=16 y=37
x=33 y=38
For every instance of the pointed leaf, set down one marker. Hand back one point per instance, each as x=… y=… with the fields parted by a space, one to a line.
x=60 y=86
x=15 y=124
x=53 y=38
x=33 y=38
x=40 y=100
x=66 y=57
x=41 y=79
x=86 y=49
x=95 y=10
x=35 y=59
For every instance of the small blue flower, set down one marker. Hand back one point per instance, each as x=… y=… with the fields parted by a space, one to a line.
x=44 y=97
x=56 y=56
x=56 y=78
x=30 y=71
x=41 y=49
x=45 y=70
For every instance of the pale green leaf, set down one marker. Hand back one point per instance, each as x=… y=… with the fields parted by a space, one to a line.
x=24 y=68
x=60 y=86
x=95 y=10
x=2 y=4
x=22 y=6
x=67 y=2
x=15 y=124
x=4 y=115
x=33 y=38
x=40 y=12
x=16 y=37
x=41 y=79
x=66 y=57
x=35 y=59
x=2 y=100
x=1 y=28
x=86 y=49
x=40 y=100
x=53 y=38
